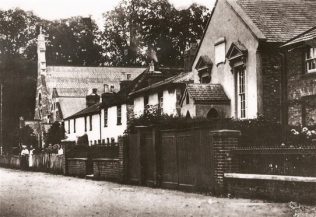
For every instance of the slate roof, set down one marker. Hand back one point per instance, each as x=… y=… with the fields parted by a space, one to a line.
x=278 y=20
x=94 y=109
x=183 y=77
x=306 y=36
x=77 y=81
x=70 y=106
x=207 y=93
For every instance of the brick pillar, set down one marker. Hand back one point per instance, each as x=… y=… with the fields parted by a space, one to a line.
x=122 y=159
x=222 y=142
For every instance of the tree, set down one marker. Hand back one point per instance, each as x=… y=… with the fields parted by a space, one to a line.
x=55 y=134
x=18 y=33
x=73 y=41
x=135 y=28
x=27 y=136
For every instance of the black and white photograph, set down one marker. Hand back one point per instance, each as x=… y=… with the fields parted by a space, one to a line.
x=158 y=108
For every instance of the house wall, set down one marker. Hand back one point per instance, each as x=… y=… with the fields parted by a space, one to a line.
x=93 y=135
x=191 y=108
x=138 y=106
x=170 y=102
x=301 y=91
x=226 y=23
x=202 y=110
x=153 y=99
x=113 y=130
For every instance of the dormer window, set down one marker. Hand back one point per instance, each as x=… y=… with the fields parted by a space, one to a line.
x=204 y=68
x=219 y=50
x=310 y=59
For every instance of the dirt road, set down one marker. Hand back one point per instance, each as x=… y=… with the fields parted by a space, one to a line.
x=34 y=194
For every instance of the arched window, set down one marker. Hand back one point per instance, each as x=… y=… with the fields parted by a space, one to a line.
x=188 y=115
x=212 y=114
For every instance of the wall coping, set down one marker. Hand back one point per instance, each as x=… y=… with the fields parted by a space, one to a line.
x=225 y=132
x=84 y=159
x=270 y=177
x=105 y=159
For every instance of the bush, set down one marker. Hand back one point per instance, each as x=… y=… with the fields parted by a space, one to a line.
x=254 y=132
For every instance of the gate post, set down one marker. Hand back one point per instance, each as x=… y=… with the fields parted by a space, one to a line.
x=222 y=143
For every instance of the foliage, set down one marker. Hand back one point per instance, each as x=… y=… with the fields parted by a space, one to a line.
x=140 y=29
x=73 y=41
x=27 y=136
x=301 y=136
x=254 y=132
x=55 y=134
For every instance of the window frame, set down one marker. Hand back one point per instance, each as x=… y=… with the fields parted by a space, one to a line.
x=241 y=92
x=85 y=123
x=105 y=117
x=74 y=125
x=119 y=115
x=90 y=122
x=310 y=57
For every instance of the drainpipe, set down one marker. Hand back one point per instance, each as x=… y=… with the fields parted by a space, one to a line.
x=284 y=104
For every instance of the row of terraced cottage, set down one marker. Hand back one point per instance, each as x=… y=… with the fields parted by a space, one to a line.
x=255 y=58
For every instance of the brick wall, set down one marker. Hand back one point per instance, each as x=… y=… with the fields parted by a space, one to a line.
x=282 y=191
x=76 y=166
x=271 y=84
x=223 y=141
x=111 y=168
x=301 y=89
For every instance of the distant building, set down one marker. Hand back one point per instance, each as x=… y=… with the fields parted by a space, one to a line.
x=102 y=122
x=61 y=90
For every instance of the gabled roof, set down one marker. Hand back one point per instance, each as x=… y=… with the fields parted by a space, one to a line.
x=204 y=62
x=77 y=81
x=94 y=109
x=70 y=106
x=183 y=77
x=207 y=93
x=278 y=20
x=306 y=36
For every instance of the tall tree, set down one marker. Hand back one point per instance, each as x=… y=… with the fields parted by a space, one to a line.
x=18 y=33
x=135 y=27
x=73 y=41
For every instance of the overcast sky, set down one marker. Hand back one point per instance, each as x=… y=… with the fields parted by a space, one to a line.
x=55 y=9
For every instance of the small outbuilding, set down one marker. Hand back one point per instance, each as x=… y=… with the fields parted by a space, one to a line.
x=205 y=100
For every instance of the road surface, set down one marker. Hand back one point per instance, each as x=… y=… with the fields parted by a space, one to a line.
x=34 y=194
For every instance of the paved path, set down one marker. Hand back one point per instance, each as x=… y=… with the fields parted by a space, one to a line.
x=33 y=194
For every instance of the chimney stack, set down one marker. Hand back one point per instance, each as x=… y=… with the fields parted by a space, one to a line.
x=106 y=88
x=189 y=55
x=151 y=66
x=92 y=98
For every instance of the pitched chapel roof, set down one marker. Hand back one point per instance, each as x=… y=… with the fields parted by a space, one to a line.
x=77 y=81
x=278 y=20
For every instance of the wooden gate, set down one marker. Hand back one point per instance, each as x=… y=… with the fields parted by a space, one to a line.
x=134 y=175
x=186 y=159
x=149 y=158
x=171 y=158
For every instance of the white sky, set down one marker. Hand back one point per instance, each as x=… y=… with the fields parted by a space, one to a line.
x=55 y=9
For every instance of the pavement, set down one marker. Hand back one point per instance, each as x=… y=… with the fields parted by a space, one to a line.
x=35 y=194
